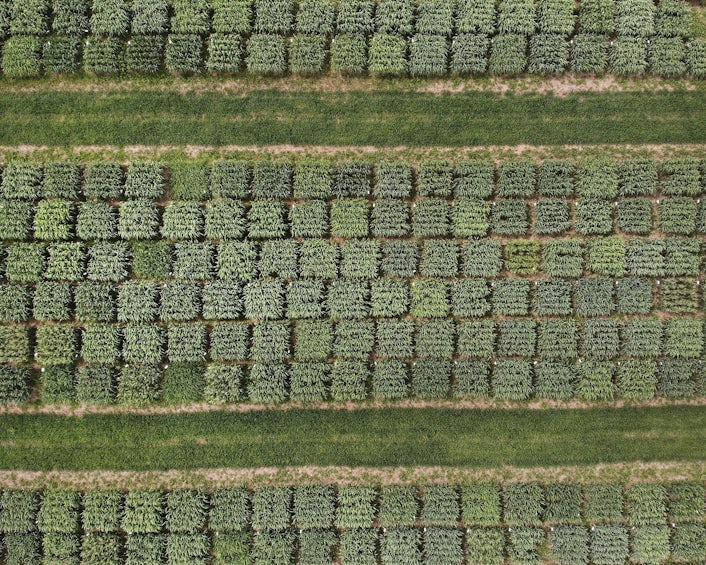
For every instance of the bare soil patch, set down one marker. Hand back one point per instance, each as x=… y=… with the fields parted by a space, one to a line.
x=628 y=473
x=294 y=153
x=411 y=404
x=563 y=85
x=558 y=86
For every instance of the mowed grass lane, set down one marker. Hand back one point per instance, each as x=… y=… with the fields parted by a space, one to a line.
x=383 y=118
x=384 y=437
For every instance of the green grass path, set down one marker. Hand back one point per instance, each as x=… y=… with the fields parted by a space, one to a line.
x=382 y=118
x=480 y=438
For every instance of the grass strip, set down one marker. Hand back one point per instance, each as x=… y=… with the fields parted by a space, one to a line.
x=386 y=118
x=389 y=437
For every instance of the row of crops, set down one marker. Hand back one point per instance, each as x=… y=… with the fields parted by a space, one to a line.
x=232 y=219
x=484 y=524
x=120 y=18
x=354 y=299
x=267 y=282
x=603 y=179
x=505 y=379
x=382 y=55
x=306 y=286
x=389 y=37
x=243 y=260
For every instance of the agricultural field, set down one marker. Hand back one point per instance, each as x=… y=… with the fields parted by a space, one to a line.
x=352 y=282
x=445 y=524
x=427 y=38
x=266 y=282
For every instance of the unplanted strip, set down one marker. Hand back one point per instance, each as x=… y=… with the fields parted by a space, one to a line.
x=558 y=86
x=352 y=406
x=295 y=153
x=629 y=473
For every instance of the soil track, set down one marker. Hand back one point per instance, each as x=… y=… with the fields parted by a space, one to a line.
x=240 y=86
x=294 y=153
x=411 y=404
x=275 y=476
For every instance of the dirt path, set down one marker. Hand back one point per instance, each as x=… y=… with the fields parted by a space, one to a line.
x=370 y=153
x=241 y=86
x=470 y=404
x=271 y=476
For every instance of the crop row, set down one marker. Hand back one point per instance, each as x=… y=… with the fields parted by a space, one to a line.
x=483 y=524
x=118 y=18
x=346 y=299
x=254 y=36
x=341 y=381
x=382 y=55
x=61 y=220
x=603 y=179
x=355 y=262
x=305 y=340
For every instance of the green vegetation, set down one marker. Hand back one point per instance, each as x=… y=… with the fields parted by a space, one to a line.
x=177 y=298
x=227 y=308
x=382 y=118
x=486 y=438
x=401 y=37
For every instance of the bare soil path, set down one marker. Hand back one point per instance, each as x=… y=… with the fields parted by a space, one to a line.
x=411 y=404
x=239 y=86
x=295 y=153
x=627 y=473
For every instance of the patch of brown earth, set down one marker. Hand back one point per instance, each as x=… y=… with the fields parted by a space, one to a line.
x=628 y=473
x=295 y=152
x=410 y=404
x=242 y=86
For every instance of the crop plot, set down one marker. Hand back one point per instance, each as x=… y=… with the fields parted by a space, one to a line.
x=264 y=282
x=447 y=524
x=352 y=282
x=429 y=38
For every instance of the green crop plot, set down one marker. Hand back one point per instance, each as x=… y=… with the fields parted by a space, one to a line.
x=449 y=524
x=238 y=281
x=388 y=38
x=284 y=281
